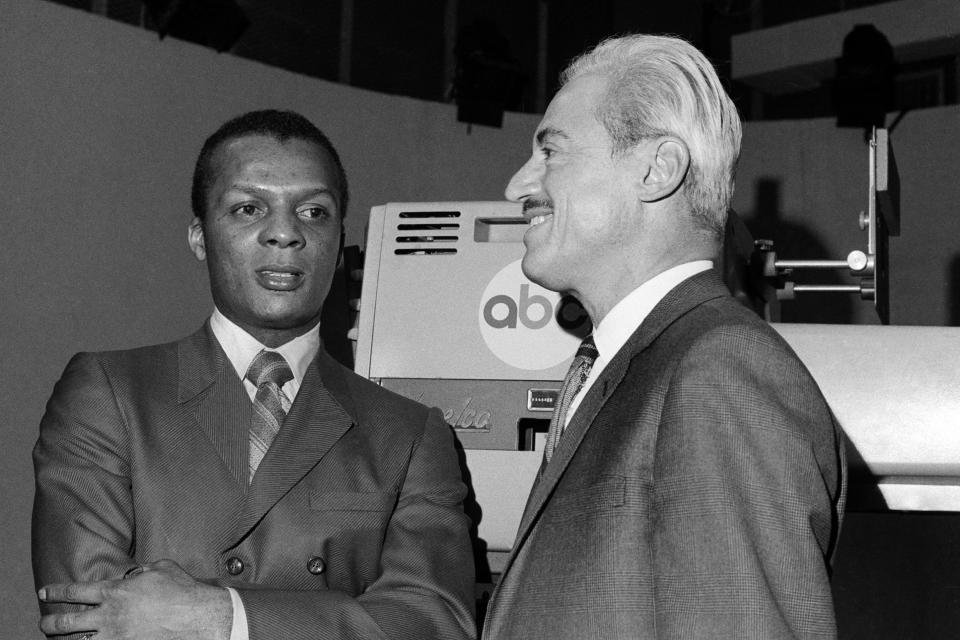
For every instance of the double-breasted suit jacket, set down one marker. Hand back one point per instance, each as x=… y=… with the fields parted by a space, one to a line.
x=352 y=527
x=696 y=493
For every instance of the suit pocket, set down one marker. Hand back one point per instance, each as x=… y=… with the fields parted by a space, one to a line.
x=351 y=501
x=607 y=494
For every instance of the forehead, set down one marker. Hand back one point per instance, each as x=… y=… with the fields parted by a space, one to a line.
x=263 y=157
x=573 y=111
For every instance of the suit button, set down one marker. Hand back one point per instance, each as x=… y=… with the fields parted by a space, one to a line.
x=316 y=565
x=234 y=566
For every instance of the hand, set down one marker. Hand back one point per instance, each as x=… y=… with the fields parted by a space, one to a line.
x=162 y=602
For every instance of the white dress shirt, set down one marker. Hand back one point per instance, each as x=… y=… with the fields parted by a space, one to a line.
x=627 y=315
x=241 y=348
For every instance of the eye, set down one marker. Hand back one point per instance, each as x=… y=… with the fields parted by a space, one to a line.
x=246 y=210
x=313 y=212
x=547 y=152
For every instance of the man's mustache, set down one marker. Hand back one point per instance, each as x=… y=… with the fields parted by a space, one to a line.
x=531 y=203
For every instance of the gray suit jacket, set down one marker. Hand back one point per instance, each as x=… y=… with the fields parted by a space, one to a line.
x=696 y=493
x=142 y=455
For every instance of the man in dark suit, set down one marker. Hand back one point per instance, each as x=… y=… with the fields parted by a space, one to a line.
x=693 y=485
x=243 y=456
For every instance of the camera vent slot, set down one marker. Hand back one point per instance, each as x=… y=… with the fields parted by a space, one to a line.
x=426 y=238
x=426 y=230
x=429 y=214
x=429 y=226
x=424 y=251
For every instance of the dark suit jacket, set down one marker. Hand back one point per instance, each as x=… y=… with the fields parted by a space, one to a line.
x=695 y=494
x=142 y=455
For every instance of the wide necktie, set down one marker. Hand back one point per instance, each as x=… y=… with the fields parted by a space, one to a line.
x=576 y=376
x=268 y=372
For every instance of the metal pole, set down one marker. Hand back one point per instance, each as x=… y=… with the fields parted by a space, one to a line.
x=450 y=17
x=811 y=264
x=543 y=23
x=346 y=41
x=826 y=288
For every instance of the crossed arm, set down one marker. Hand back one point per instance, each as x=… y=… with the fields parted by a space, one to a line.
x=161 y=601
x=83 y=544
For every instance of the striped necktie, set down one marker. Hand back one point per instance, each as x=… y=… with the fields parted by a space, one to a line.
x=576 y=376
x=268 y=372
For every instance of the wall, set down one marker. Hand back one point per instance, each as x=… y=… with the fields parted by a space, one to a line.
x=99 y=129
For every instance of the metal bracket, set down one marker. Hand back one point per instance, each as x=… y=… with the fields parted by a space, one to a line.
x=881 y=220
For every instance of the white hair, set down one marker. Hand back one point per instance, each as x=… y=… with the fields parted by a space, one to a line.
x=661 y=85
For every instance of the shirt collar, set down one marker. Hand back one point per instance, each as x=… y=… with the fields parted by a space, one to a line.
x=241 y=348
x=628 y=314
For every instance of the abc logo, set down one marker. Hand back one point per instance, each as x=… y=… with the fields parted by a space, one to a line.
x=533 y=311
x=527 y=326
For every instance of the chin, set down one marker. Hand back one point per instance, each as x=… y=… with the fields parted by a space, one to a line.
x=285 y=317
x=540 y=273
x=289 y=321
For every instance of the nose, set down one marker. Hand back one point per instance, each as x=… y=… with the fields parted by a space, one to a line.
x=525 y=182
x=282 y=230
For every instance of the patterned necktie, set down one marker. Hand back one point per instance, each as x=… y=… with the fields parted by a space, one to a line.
x=268 y=372
x=576 y=376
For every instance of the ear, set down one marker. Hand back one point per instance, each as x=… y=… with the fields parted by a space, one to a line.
x=196 y=239
x=666 y=162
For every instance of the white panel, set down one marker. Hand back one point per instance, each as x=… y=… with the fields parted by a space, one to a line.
x=895 y=391
x=425 y=321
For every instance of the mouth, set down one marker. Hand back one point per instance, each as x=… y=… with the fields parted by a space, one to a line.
x=280 y=278
x=537 y=211
x=536 y=217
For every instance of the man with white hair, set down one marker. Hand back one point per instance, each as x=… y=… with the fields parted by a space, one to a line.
x=694 y=478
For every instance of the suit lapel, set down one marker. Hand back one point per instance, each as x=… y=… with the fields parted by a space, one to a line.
x=211 y=405
x=680 y=300
x=320 y=415
x=209 y=386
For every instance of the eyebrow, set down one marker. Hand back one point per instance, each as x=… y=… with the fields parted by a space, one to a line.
x=254 y=190
x=547 y=132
